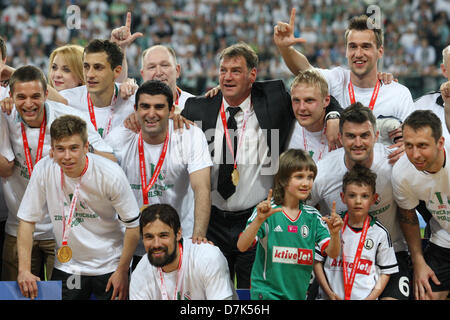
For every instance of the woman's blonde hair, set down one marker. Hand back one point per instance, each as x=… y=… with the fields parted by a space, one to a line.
x=73 y=55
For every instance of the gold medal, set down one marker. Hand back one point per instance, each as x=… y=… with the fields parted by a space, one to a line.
x=235 y=177
x=64 y=254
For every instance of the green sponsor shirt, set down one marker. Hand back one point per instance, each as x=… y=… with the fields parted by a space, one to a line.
x=285 y=253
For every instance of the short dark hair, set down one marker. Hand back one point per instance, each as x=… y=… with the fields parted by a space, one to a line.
x=360 y=23
x=360 y=176
x=241 y=49
x=67 y=126
x=420 y=119
x=357 y=113
x=3 y=48
x=112 y=50
x=27 y=74
x=154 y=87
x=290 y=161
x=160 y=211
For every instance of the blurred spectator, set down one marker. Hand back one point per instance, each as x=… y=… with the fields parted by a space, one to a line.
x=199 y=29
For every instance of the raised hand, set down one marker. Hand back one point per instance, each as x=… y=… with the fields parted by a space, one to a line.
x=122 y=35
x=264 y=208
x=334 y=221
x=283 y=33
x=445 y=93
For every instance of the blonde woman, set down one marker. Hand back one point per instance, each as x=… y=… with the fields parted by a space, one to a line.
x=66 y=67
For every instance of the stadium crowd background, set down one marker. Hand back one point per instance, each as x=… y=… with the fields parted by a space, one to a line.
x=416 y=31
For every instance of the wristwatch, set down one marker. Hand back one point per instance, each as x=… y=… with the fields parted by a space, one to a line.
x=332 y=115
x=91 y=148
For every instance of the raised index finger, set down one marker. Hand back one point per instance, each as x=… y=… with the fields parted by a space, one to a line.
x=333 y=208
x=269 y=196
x=128 y=21
x=292 y=18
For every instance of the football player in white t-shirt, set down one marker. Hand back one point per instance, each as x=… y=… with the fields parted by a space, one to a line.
x=366 y=245
x=6 y=152
x=174 y=267
x=358 y=136
x=100 y=98
x=184 y=177
x=29 y=135
x=364 y=47
x=93 y=212
x=423 y=174
x=309 y=96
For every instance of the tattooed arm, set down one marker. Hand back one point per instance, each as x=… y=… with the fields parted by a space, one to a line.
x=409 y=224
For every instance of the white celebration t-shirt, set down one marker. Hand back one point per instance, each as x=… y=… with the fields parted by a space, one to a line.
x=15 y=185
x=411 y=186
x=328 y=186
x=105 y=206
x=204 y=276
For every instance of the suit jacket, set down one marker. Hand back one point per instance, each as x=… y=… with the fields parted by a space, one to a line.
x=271 y=103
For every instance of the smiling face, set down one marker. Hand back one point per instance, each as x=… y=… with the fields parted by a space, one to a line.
x=235 y=79
x=159 y=64
x=309 y=106
x=422 y=149
x=70 y=154
x=161 y=243
x=29 y=98
x=362 y=53
x=299 y=185
x=153 y=116
x=358 y=140
x=61 y=75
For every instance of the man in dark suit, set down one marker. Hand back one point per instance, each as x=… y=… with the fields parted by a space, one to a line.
x=247 y=125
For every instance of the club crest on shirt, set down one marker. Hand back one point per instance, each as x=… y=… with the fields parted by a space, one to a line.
x=368 y=244
x=304 y=231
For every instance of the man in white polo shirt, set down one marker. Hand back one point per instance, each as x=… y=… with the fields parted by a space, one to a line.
x=94 y=217
x=423 y=175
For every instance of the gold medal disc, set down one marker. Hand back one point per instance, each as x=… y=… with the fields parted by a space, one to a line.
x=64 y=254
x=235 y=177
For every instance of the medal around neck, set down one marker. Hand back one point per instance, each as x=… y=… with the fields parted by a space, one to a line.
x=64 y=254
x=235 y=177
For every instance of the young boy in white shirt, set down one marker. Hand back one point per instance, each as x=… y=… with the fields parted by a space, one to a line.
x=367 y=257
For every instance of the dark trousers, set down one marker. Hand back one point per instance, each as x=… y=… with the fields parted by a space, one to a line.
x=224 y=230
x=78 y=287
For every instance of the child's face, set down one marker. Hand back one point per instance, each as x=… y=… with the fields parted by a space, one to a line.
x=300 y=184
x=358 y=198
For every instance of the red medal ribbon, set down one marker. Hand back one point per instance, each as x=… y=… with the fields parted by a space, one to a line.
x=227 y=134
x=92 y=113
x=146 y=187
x=348 y=282
x=373 y=99
x=40 y=147
x=164 y=293
x=73 y=203
x=178 y=98
x=322 y=142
